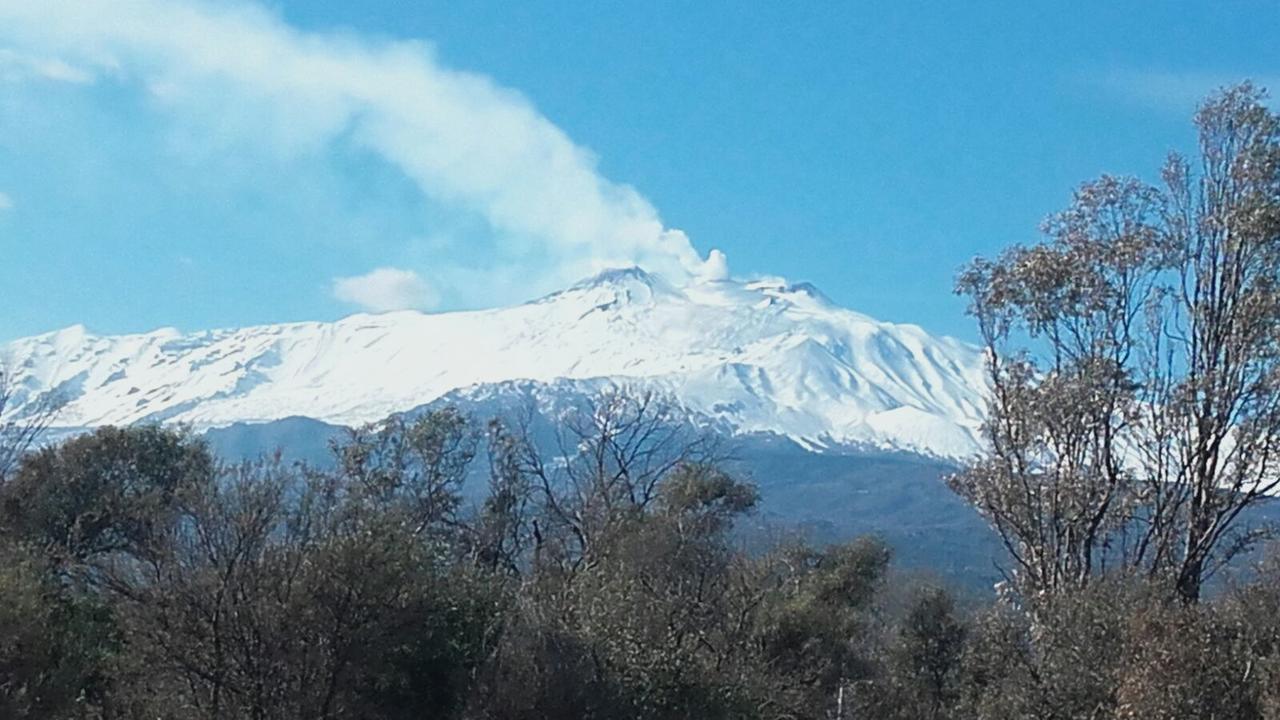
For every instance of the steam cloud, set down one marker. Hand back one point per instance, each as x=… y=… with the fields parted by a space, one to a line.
x=462 y=139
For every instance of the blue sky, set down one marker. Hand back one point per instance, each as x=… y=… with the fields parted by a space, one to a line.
x=208 y=165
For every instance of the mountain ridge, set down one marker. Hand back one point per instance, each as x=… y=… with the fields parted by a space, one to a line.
x=751 y=356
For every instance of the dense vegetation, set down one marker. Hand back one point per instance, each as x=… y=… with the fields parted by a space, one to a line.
x=1136 y=415
x=141 y=579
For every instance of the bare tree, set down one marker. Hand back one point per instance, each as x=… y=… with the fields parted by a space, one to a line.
x=612 y=455
x=20 y=427
x=502 y=532
x=1134 y=361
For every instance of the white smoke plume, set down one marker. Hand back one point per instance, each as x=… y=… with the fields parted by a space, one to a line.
x=462 y=139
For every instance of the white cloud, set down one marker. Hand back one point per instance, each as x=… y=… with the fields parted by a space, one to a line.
x=20 y=66
x=386 y=289
x=461 y=138
x=6 y=202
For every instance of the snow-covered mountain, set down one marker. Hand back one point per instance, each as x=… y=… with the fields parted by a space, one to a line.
x=759 y=356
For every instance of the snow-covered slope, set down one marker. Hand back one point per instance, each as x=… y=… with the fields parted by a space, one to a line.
x=757 y=357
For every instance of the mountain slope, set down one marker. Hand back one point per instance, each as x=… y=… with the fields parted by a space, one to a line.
x=754 y=357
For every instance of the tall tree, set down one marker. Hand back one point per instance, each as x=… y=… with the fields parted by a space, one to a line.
x=1134 y=362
